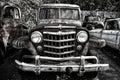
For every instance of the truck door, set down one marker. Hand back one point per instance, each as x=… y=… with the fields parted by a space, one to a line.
x=111 y=32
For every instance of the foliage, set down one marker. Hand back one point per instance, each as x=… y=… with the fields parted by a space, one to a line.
x=105 y=5
x=29 y=7
x=29 y=10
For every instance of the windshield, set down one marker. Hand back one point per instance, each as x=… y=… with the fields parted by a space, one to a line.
x=59 y=13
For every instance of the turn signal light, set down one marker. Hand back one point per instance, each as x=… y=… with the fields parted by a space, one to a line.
x=79 y=47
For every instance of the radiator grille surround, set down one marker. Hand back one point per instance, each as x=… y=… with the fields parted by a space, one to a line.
x=59 y=42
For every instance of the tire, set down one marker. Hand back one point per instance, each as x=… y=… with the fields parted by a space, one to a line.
x=27 y=75
x=92 y=53
x=32 y=76
x=22 y=53
x=90 y=75
x=24 y=75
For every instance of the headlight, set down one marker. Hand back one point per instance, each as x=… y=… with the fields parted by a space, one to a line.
x=36 y=37
x=82 y=36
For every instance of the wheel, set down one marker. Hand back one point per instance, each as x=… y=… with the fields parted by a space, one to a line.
x=22 y=53
x=27 y=75
x=32 y=76
x=90 y=75
x=92 y=53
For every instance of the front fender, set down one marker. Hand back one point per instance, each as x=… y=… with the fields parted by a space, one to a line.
x=97 y=43
x=24 y=43
x=21 y=42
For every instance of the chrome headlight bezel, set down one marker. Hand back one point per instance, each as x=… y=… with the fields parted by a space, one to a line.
x=82 y=36
x=36 y=37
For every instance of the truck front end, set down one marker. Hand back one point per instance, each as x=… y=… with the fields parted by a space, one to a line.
x=59 y=44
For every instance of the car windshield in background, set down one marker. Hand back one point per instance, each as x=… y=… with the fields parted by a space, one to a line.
x=56 y=13
x=11 y=12
x=92 y=18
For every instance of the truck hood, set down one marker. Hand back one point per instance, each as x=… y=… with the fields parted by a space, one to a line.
x=56 y=22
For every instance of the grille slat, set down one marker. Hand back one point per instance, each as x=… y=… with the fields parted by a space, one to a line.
x=62 y=47
x=59 y=40
x=59 y=43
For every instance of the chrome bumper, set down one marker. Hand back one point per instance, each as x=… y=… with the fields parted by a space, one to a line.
x=82 y=67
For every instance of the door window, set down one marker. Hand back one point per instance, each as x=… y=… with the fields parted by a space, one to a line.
x=112 y=25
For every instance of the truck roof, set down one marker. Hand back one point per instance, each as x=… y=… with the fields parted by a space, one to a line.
x=60 y=5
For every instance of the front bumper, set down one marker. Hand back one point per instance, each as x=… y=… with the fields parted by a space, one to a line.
x=81 y=68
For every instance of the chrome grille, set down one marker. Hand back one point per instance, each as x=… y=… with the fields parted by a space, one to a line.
x=59 y=42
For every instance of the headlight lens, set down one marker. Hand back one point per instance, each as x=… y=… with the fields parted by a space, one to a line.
x=82 y=36
x=36 y=37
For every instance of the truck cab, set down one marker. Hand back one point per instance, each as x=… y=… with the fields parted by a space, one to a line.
x=110 y=33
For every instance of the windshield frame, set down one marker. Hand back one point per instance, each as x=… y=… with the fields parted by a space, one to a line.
x=59 y=16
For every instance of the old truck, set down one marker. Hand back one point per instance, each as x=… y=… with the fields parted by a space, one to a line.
x=93 y=22
x=110 y=33
x=10 y=26
x=58 y=47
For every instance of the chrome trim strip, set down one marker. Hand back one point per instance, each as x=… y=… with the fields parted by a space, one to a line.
x=61 y=47
x=62 y=66
x=59 y=33
x=65 y=40
x=60 y=53
x=61 y=59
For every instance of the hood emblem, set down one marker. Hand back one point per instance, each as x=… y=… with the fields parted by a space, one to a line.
x=60 y=26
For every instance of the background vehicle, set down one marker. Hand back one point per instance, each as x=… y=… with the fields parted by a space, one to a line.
x=92 y=22
x=57 y=48
x=111 y=33
x=10 y=27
